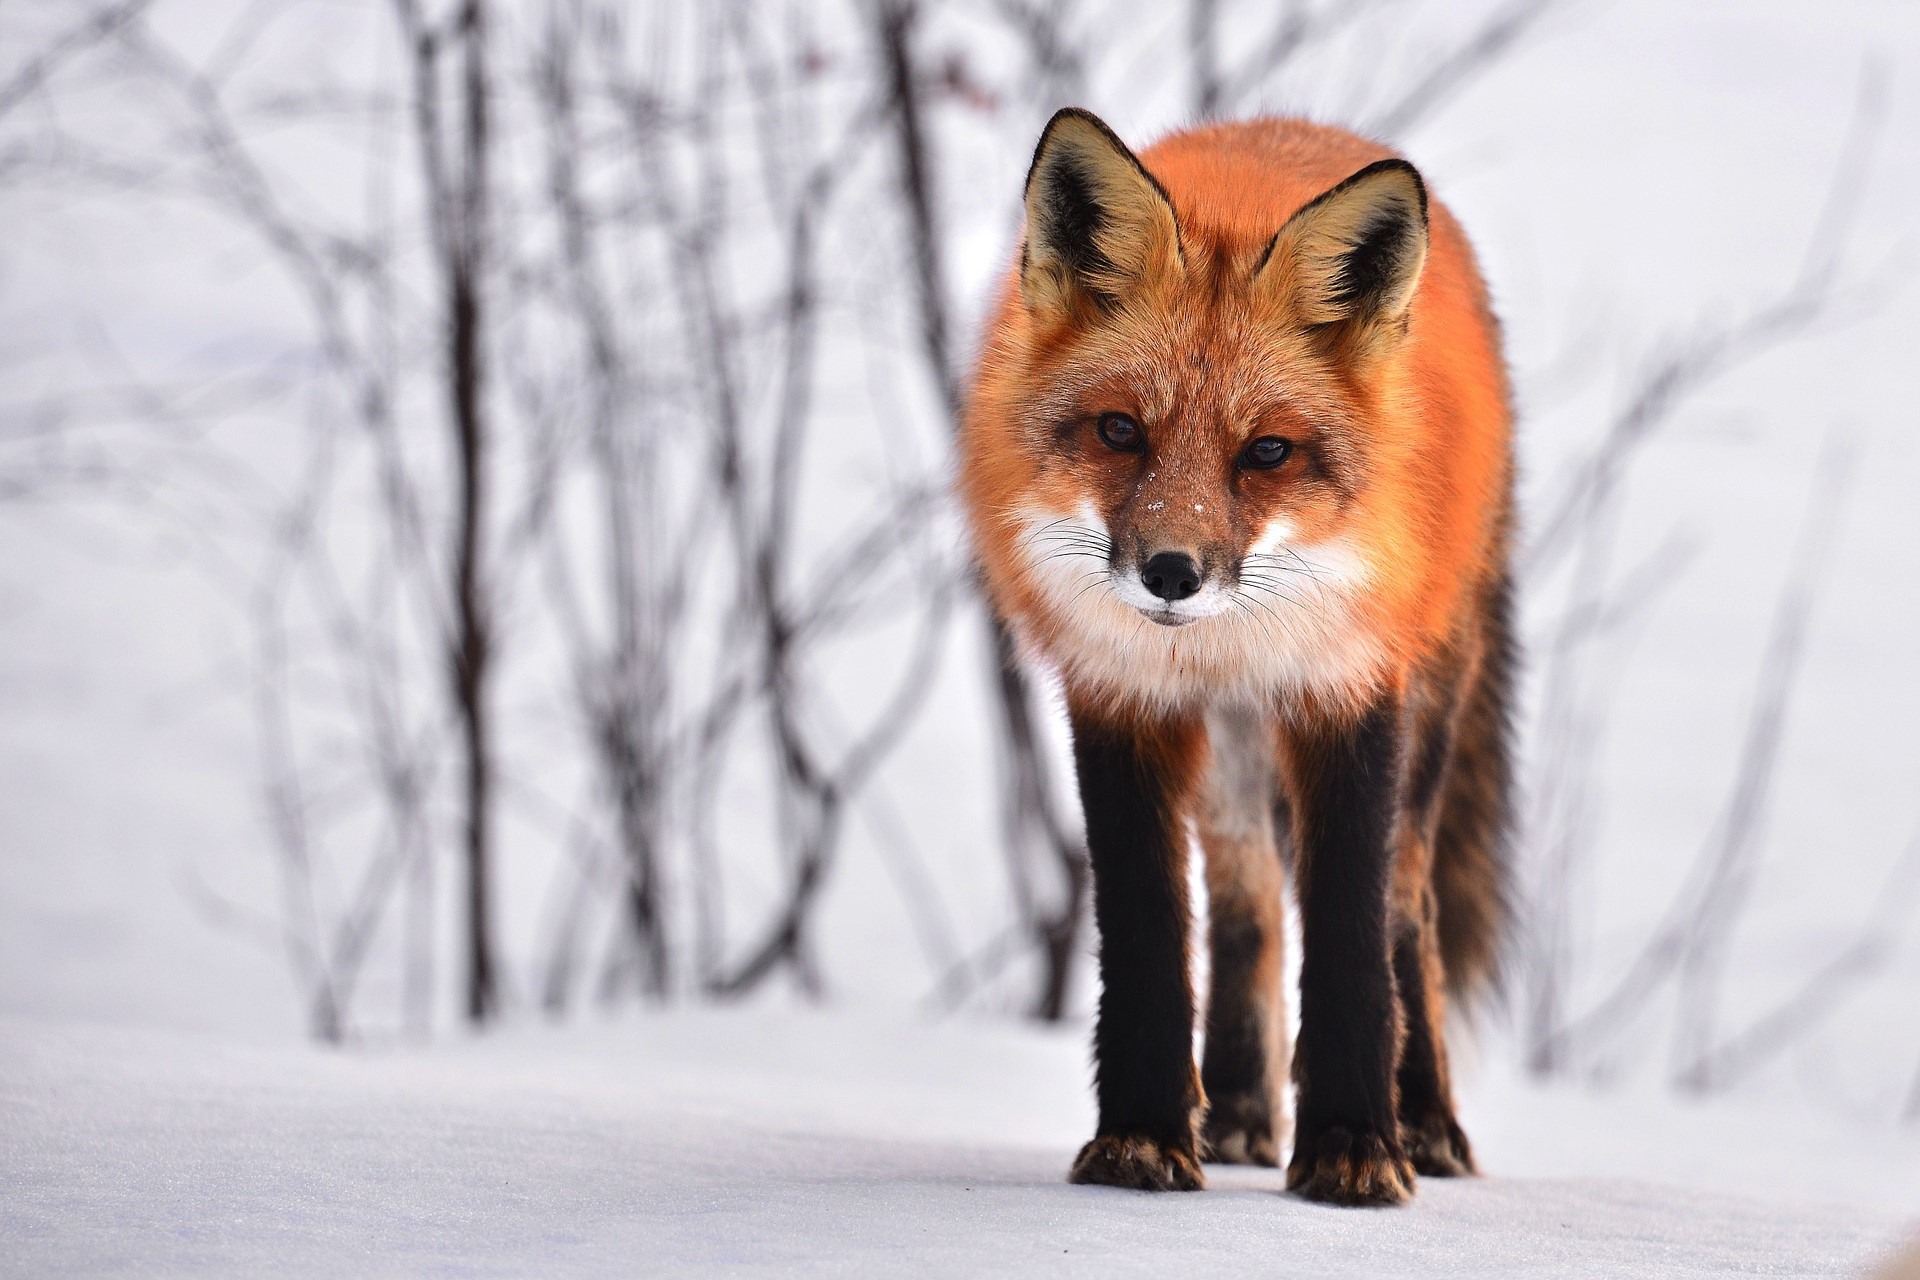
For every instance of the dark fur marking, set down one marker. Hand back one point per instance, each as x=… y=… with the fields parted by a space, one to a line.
x=1283 y=841
x=1433 y=726
x=1359 y=175
x=1385 y=241
x=1429 y=769
x=1347 y=792
x=1419 y=1075
x=1428 y=1129
x=1472 y=879
x=1260 y=264
x=1071 y=218
x=1065 y=436
x=1143 y=1036
x=1316 y=462
x=1376 y=260
x=1069 y=215
x=1113 y=140
x=1235 y=1064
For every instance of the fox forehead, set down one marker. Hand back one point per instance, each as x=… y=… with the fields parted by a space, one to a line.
x=1196 y=372
x=1204 y=380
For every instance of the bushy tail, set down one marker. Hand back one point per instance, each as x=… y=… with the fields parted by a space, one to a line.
x=1472 y=874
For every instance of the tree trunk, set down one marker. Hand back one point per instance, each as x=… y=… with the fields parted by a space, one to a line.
x=1031 y=831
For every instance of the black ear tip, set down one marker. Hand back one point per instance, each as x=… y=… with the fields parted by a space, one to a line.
x=1076 y=115
x=1070 y=113
x=1395 y=164
x=1062 y=118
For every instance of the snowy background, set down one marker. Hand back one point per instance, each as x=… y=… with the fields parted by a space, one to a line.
x=1707 y=1062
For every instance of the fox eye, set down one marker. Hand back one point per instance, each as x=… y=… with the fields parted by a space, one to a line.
x=1266 y=453
x=1118 y=431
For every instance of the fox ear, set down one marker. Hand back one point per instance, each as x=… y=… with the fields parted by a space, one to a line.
x=1098 y=224
x=1353 y=256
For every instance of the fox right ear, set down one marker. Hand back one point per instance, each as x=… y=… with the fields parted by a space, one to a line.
x=1098 y=224
x=1351 y=259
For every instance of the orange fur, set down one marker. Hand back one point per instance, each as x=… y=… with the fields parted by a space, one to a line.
x=1407 y=506
x=1237 y=455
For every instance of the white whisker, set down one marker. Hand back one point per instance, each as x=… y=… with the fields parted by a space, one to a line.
x=1288 y=623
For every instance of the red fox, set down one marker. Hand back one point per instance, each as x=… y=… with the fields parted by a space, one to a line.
x=1237 y=462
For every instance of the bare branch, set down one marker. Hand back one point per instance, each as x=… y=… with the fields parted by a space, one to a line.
x=89 y=32
x=1460 y=66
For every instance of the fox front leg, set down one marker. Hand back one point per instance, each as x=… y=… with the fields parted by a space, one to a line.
x=1347 y=783
x=1134 y=783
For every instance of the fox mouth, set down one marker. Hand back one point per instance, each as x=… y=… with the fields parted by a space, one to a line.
x=1167 y=617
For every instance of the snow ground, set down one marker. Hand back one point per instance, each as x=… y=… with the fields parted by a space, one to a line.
x=1643 y=165
x=756 y=1142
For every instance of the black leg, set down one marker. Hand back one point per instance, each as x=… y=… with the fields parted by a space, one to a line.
x=1432 y=1136
x=1132 y=785
x=1347 y=783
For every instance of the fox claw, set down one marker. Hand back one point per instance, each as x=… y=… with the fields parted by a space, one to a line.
x=1129 y=1160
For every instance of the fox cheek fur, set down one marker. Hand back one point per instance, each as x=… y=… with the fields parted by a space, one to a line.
x=1237 y=463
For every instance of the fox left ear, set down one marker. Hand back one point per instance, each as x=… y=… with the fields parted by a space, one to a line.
x=1098 y=224
x=1352 y=257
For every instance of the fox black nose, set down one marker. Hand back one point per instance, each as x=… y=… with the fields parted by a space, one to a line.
x=1171 y=575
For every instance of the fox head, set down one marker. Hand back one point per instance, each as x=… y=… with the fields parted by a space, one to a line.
x=1190 y=414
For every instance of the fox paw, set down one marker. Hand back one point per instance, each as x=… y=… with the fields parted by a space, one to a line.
x=1243 y=1129
x=1345 y=1166
x=1437 y=1147
x=1128 y=1160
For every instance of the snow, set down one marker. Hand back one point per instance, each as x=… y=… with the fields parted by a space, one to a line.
x=1639 y=167
x=766 y=1141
